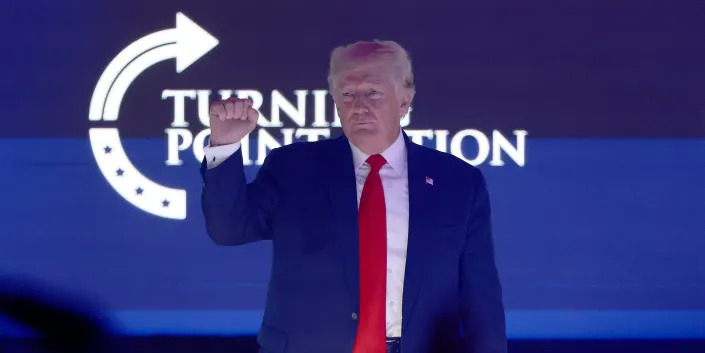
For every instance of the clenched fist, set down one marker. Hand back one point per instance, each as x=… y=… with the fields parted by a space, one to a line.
x=231 y=120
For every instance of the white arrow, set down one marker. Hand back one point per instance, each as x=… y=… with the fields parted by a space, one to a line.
x=187 y=43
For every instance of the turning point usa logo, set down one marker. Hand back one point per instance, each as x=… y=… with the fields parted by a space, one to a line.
x=188 y=42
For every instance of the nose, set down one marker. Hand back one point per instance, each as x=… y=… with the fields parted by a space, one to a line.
x=359 y=105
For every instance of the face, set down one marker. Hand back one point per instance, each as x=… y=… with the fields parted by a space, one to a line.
x=369 y=105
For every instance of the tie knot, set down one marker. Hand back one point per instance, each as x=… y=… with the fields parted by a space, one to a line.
x=376 y=161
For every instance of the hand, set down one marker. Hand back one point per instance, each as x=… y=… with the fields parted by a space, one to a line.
x=231 y=120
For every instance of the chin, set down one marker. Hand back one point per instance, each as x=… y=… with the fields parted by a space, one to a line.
x=369 y=128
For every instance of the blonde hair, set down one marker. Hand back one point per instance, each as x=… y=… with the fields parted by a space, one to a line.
x=366 y=51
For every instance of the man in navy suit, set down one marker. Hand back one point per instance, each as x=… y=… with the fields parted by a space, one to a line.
x=399 y=257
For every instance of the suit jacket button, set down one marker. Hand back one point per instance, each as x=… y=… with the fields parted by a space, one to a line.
x=354 y=316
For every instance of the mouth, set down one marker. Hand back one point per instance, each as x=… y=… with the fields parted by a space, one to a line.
x=363 y=120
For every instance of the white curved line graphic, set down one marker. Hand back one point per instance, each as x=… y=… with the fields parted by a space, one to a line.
x=121 y=60
x=186 y=43
x=129 y=182
x=130 y=73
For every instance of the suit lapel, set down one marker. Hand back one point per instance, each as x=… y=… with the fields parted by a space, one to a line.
x=419 y=241
x=343 y=195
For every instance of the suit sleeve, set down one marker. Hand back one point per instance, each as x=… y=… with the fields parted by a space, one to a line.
x=481 y=307
x=237 y=212
x=217 y=154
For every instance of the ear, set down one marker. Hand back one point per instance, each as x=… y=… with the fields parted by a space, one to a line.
x=404 y=105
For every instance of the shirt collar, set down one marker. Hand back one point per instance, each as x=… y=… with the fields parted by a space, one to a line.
x=394 y=154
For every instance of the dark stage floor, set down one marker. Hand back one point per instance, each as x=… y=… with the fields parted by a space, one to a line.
x=201 y=344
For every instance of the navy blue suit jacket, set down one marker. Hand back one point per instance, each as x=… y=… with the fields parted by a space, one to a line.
x=304 y=200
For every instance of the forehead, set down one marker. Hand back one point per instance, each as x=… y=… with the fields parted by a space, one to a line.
x=357 y=77
x=378 y=73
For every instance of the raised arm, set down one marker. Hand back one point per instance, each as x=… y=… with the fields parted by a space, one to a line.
x=235 y=212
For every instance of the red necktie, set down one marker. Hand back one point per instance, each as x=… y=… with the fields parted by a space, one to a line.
x=372 y=222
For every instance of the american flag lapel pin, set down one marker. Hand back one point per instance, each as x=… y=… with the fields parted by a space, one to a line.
x=429 y=181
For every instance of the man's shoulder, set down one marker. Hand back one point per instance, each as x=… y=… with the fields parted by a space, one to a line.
x=305 y=146
x=447 y=163
x=302 y=151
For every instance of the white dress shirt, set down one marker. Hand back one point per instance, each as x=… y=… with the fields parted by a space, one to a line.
x=395 y=182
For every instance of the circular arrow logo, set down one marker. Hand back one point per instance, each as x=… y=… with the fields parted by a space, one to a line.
x=186 y=43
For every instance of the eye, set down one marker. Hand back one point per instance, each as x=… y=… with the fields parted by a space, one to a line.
x=373 y=93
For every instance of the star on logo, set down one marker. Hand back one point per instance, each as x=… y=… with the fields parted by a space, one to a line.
x=120 y=172
x=165 y=203
x=107 y=149
x=139 y=190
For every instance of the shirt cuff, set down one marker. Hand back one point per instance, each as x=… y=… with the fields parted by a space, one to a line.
x=218 y=154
